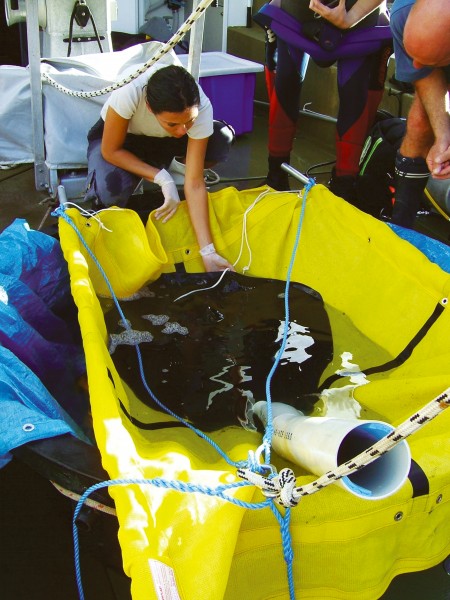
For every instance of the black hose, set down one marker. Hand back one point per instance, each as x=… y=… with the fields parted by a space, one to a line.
x=90 y=17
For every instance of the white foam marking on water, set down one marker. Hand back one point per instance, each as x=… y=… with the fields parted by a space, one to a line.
x=145 y=292
x=156 y=319
x=129 y=337
x=125 y=323
x=175 y=327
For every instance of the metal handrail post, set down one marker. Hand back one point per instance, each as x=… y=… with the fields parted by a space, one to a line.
x=37 y=112
x=195 y=44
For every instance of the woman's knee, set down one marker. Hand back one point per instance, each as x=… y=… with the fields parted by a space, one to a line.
x=106 y=183
x=108 y=190
x=220 y=142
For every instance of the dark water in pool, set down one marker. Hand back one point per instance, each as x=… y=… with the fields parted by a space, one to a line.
x=207 y=355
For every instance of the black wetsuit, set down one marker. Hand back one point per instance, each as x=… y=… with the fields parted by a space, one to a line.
x=361 y=73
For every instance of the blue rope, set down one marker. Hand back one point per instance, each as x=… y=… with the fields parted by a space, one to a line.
x=219 y=491
x=240 y=464
x=267 y=439
x=286 y=542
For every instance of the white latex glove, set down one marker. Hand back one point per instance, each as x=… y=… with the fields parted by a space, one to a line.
x=213 y=261
x=171 y=197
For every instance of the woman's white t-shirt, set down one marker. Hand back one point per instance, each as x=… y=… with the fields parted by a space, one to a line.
x=129 y=102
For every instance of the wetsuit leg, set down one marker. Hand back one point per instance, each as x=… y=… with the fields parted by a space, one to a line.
x=285 y=73
x=219 y=143
x=360 y=88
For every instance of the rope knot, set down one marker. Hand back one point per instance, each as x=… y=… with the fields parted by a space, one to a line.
x=266 y=485
x=286 y=485
x=280 y=487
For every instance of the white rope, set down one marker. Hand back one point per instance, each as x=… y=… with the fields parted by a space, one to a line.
x=244 y=232
x=282 y=488
x=203 y=289
x=244 y=236
x=89 y=502
x=92 y=214
x=167 y=47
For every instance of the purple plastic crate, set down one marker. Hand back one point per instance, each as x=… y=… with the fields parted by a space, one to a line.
x=229 y=82
x=232 y=99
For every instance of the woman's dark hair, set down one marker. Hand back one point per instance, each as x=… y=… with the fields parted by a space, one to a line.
x=172 y=89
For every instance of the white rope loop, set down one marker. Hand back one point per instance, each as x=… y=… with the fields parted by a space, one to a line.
x=167 y=47
x=282 y=486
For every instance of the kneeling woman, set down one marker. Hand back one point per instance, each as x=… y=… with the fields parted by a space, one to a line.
x=144 y=125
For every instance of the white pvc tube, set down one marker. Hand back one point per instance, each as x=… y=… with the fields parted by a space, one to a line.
x=320 y=444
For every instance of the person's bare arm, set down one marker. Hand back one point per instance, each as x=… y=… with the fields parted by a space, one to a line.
x=432 y=91
x=197 y=201
x=338 y=15
x=113 y=139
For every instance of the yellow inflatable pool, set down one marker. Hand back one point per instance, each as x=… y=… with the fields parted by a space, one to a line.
x=180 y=539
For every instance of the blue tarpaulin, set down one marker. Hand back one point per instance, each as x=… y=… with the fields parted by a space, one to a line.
x=434 y=250
x=41 y=356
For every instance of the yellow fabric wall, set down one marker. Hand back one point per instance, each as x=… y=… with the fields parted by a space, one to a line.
x=345 y=547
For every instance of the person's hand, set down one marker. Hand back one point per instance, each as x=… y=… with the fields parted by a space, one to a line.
x=170 y=193
x=213 y=261
x=335 y=12
x=438 y=159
